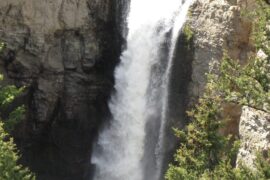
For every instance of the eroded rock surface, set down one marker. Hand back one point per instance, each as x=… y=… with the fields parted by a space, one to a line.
x=65 y=52
x=254 y=130
x=218 y=27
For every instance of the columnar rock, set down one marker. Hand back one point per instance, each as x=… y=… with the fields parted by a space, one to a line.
x=64 y=52
x=254 y=131
x=218 y=27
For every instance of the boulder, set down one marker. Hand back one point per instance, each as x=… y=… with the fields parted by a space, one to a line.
x=254 y=131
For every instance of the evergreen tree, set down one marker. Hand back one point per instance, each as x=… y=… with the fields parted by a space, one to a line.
x=9 y=169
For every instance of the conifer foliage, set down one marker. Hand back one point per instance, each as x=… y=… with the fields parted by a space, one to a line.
x=9 y=168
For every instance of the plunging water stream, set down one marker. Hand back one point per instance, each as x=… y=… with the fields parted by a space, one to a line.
x=139 y=105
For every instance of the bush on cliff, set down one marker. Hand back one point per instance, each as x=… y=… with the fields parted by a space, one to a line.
x=9 y=169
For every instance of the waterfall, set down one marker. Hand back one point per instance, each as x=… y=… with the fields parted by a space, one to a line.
x=139 y=105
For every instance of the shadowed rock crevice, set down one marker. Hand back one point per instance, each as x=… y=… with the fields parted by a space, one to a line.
x=178 y=98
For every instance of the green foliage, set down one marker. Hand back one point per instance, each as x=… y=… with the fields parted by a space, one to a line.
x=188 y=32
x=227 y=172
x=9 y=170
x=261 y=34
x=8 y=94
x=202 y=147
x=263 y=165
x=204 y=153
x=260 y=17
x=2 y=45
x=14 y=118
x=248 y=85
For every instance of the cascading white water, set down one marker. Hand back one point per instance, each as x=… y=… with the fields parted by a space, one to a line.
x=120 y=149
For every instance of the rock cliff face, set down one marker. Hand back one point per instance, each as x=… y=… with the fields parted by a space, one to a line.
x=64 y=52
x=218 y=27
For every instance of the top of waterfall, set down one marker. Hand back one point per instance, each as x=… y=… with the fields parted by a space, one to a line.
x=140 y=10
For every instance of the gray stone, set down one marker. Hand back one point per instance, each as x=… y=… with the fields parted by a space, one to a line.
x=254 y=131
x=261 y=54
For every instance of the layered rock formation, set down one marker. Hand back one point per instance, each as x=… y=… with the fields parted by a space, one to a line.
x=64 y=52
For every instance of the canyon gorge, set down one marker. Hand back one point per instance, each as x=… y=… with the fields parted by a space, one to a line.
x=106 y=80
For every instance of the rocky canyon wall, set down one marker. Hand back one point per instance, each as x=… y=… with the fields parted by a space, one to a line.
x=219 y=26
x=216 y=27
x=64 y=52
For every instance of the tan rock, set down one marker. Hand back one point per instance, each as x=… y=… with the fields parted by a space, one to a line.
x=254 y=130
x=218 y=27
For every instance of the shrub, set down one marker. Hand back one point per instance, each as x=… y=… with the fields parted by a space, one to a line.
x=9 y=169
